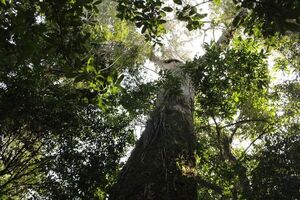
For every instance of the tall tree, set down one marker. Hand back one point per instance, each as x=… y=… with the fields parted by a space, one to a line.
x=162 y=165
x=71 y=89
x=233 y=93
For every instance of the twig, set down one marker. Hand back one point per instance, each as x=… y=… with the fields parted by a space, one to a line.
x=150 y=69
x=244 y=121
x=203 y=3
x=228 y=34
x=258 y=137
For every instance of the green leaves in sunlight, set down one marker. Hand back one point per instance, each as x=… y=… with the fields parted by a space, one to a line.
x=227 y=79
x=233 y=104
x=151 y=16
x=246 y=124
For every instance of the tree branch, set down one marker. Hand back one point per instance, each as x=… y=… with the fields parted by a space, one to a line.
x=228 y=34
x=204 y=2
x=244 y=121
x=258 y=137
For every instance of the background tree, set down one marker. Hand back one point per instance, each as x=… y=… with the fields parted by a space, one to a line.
x=61 y=69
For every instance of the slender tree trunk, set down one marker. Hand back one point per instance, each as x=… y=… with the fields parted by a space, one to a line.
x=243 y=184
x=162 y=165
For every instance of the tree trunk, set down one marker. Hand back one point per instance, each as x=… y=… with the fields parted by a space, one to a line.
x=162 y=165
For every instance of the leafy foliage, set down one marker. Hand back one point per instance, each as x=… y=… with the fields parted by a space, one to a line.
x=60 y=84
x=84 y=164
x=150 y=16
x=233 y=104
x=272 y=16
x=277 y=174
x=225 y=80
x=71 y=88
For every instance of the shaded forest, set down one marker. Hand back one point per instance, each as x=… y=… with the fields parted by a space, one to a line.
x=79 y=79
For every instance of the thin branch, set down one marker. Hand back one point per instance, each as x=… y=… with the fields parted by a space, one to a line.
x=244 y=121
x=235 y=123
x=206 y=126
x=257 y=138
x=204 y=2
x=18 y=176
x=7 y=144
x=115 y=61
x=150 y=69
x=218 y=129
x=218 y=136
x=228 y=34
x=239 y=123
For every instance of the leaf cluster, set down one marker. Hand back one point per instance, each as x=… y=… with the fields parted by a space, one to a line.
x=150 y=16
x=225 y=79
x=271 y=16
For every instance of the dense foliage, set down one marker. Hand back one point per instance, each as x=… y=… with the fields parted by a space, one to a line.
x=272 y=16
x=62 y=131
x=72 y=90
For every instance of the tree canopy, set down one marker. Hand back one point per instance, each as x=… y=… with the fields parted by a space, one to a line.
x=74 y=89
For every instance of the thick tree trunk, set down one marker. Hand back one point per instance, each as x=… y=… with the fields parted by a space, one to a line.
x=162 y=165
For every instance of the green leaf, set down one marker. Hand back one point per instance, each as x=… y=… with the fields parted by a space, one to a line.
x=3 y=2
x=114 y=90
x=193 y=10
x=139 y=4
x=168 y=9
x=90 y=65
x=162 y=14
x=97 y=2
x=161 y=29
x=144 y=29
x=120 y=79
x=179 y=2
x=101 y=104
x=110 y=79
x=96 y=9
x=72 y=1
x=90 y=68
x=217 y=2
x=80 y=78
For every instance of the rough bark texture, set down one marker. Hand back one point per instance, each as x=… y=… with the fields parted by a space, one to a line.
x=162 y=165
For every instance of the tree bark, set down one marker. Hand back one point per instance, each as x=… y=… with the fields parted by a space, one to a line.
x=162 y=165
